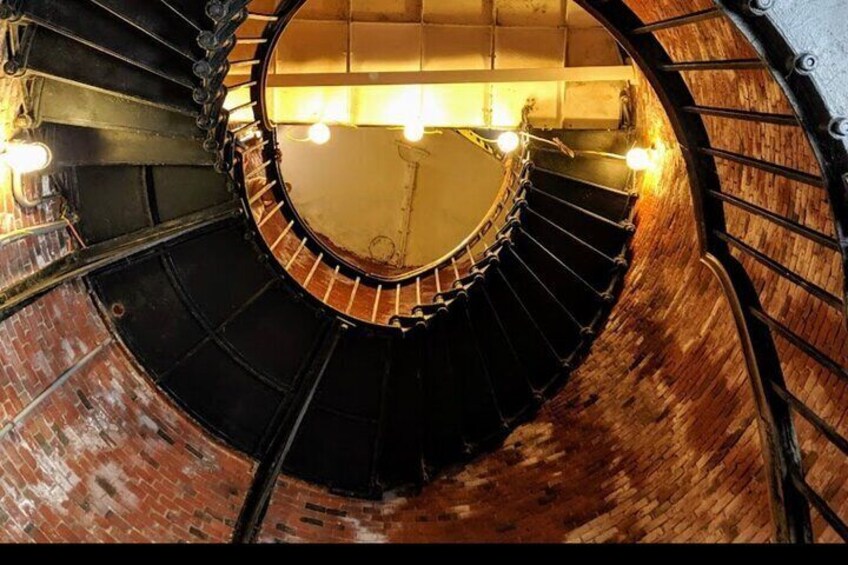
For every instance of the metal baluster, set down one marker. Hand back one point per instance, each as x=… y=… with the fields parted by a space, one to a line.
x=330 y=286
x=282 y=236
x=376 y=303
x=296 y=253
x=352 y=295
x=312 y=271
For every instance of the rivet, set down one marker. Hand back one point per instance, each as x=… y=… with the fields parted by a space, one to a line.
x=118 y=310
x=202 y=69
x=200 y=95
x=11 y=67
x=207 y=40
x=839 y=128
x=216 y=10
x=805 y=63
x=210 y=145
x=760 y=7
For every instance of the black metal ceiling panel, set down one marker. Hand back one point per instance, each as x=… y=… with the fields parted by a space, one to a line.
x=275 y=334
x=595 y=267
x=180 y=191
x=545 y=309
x=403 y=429
x=354 y=377
x=480 y=416
x=219 y=271
x=505 y=375
x=151 y=317
x=611 y=204
x=111 y=201
x=538 y=355
x=220 y=393
x=582 y=302
x=329 y=443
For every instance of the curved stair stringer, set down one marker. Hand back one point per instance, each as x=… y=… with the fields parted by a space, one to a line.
x=247 y=350
x=769 y=34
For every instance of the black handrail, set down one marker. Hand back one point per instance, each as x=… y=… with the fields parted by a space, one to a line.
x=789 y=506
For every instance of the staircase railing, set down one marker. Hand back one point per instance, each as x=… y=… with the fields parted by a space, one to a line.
x=763 y=24
x=819 y=109
x=401 y=302
x=248 y=148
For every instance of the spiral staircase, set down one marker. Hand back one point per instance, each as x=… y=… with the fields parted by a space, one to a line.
x=155 y=112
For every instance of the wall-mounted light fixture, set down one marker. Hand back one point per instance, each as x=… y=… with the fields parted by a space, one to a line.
x=26 y=157
x=640 y=159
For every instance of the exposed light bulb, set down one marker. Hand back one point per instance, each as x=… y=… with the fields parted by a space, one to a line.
x=639 y=159
x=319 y=133
x=26 y=158
x=414 y=131
x=508 y=141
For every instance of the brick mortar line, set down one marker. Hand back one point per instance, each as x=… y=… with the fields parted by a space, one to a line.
x=63 y=378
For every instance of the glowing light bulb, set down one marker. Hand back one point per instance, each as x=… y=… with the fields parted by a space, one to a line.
x=414 y=131
x=319 y=133
x=508 y=141
x=639 y=159
x=26 y=158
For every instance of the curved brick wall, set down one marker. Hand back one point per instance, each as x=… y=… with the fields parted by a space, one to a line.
x=653 y=439
x=103 y=457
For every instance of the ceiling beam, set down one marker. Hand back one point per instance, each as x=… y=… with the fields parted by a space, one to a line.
x=616 y=73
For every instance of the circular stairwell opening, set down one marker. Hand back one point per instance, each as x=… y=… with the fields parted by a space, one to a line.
x=403 y=138
x=386 y=205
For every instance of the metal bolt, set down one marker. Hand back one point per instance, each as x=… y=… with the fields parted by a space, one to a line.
x=205 y=122
x=207 y=40
x=839 y=128
x=216 y=10
x=11 y=67
x=200 y=95
x=760 y=7
x=210 y=145
x=805 y=63
x=202 y=69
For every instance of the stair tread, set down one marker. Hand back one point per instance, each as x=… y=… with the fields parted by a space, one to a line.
x=159 y=22
x=67 y=103
x=55 y=56
x=99 y=29
x=588 y=183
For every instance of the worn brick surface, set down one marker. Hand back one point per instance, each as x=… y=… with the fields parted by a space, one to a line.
x=654 y=439
x=105 y=457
